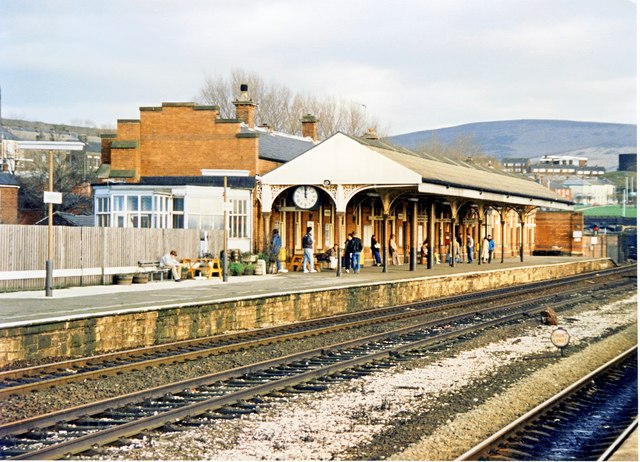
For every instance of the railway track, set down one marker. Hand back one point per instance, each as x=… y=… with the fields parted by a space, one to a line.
x=25 y=380
x=238 y=391
x=583 y=422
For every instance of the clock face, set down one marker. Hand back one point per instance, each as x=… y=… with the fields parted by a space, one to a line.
x=305 y=197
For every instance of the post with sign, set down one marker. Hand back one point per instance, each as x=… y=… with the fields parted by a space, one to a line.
x=560 y=339
x=225 y=263
x=50 y=198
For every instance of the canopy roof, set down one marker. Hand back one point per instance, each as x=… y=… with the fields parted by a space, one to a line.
x=346 y=160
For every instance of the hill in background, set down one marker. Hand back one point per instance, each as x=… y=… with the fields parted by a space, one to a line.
x=599 y=142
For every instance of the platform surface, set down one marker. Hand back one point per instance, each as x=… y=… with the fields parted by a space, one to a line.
x=33 y=307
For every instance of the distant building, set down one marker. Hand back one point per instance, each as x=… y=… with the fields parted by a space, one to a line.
x=8 y=199
x=565 y=165
x=628 y=162
x=24 y=162
x=558 y=187
x=591 y=191
x=516 y=164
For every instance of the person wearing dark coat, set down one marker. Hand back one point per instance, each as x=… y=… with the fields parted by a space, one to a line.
x=375 y=250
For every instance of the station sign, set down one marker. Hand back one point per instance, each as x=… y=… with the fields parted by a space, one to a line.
x=51 y=197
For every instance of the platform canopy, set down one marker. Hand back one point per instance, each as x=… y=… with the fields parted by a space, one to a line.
x=343 y=166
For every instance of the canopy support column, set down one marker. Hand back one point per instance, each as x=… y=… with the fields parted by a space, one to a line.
x=414 y=236
x=432 y=234
x=342 y=237
x=503 y=226
x=266 y=217
x=452 y=246
x=480 y=237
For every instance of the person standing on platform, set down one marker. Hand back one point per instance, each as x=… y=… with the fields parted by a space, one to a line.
x=169 y=261
x=469 y=248
x=356 y=247
x=492 y=246
x=375 y=251
x=276 y=245
x=307 y=247
x=393 y=250
x=485 y=250
x=348 y=251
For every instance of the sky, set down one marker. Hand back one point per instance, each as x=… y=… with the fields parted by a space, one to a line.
x=412 y=64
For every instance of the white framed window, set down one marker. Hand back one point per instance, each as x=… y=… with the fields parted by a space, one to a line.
x=103 y=212
x=239 y=219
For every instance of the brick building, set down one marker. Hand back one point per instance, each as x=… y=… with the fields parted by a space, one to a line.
x=167 y=169
x=559 y=233
x=8 y=199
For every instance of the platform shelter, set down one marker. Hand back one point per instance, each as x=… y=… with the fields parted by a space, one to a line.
x=364 y=185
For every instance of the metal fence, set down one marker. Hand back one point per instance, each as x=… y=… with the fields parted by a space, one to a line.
x=89 y=256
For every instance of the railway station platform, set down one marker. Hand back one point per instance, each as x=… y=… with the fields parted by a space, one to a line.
x=81 y=321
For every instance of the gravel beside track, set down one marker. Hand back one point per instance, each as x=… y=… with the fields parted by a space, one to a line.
x=434 y=408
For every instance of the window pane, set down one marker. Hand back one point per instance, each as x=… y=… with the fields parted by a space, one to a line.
x=178 y=204
x=178 y=221
x=147 y=203
x=118 y=203
x=132 y=203
x=194 y=222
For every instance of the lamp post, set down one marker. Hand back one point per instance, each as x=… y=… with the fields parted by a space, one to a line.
x=50 y=197
x=48 y=285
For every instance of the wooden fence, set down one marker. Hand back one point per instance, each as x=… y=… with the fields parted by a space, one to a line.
x=88 y=256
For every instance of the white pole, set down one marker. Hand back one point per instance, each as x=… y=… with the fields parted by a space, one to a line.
x=624 y=196
x=225 y=262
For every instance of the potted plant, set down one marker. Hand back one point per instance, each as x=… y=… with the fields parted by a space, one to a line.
x=250 y=269
x=123 y=279
x=140 y=278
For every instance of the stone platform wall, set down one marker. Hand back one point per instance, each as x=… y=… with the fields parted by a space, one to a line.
x=95 y=335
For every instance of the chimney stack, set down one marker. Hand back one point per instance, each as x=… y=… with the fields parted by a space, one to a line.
x=310 y=127
x=245 y=107
x=371 y=134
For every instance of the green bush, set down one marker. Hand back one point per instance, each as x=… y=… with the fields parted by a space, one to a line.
x=236 y=268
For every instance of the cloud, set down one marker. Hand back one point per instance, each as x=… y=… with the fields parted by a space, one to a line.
x=415 y=64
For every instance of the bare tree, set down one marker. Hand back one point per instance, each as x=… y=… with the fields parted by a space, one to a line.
x=463 y=150
x=71 y=173
x=280 y=108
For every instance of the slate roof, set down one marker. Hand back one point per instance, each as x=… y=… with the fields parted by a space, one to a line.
x=68 y=219
x=277 y=146
x=441 y=173
x=6 y=179
x=236 y=182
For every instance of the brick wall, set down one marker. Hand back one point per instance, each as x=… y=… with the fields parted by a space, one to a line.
x=95 y=335
x=180 y=139
x=8 y=205
x=554 y=232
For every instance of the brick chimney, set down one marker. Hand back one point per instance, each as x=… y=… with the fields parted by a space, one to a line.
x=371 y=134
x=310 y=127
x=245 y=107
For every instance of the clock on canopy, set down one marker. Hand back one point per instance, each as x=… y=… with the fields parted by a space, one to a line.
x=305 y=197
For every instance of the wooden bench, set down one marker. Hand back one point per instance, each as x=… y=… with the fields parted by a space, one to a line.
x=296 y=263
x=204 y=266
x=152 y=267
